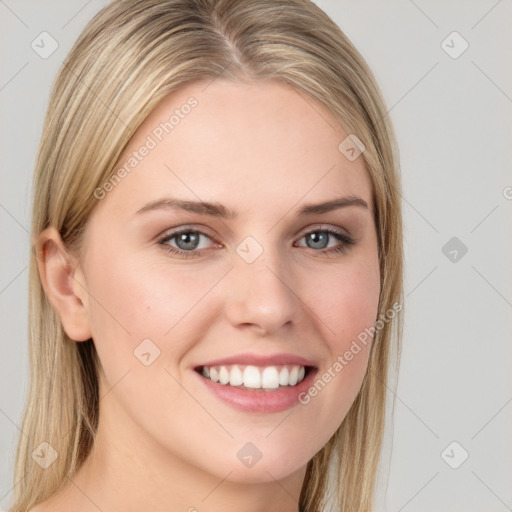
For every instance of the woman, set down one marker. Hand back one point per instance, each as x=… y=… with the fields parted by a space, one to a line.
x=216 y=277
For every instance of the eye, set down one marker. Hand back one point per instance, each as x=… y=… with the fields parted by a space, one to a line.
x=188 y=242
x=319 y=240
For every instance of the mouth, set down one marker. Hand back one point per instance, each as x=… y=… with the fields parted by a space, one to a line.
x=256 y=378
x=258 y=383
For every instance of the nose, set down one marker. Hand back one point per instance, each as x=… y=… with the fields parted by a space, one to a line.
x=262 y=295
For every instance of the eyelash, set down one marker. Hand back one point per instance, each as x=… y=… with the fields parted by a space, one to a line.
x=346 y=242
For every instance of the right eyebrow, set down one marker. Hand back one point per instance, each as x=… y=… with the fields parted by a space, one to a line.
x=201 y=207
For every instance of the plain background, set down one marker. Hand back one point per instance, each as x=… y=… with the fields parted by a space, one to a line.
x=453 y=119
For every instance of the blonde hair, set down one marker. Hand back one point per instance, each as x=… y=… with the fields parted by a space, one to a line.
x=129 y=57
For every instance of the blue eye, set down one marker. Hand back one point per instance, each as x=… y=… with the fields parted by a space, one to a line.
x=320 y=239
x=187 y=242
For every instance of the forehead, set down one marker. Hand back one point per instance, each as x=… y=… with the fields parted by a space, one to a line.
x=245 y=145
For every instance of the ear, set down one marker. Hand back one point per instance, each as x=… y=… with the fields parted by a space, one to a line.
x=63 y=283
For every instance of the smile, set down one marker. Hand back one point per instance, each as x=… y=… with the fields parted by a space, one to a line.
x=255 y=377
x=257 y=389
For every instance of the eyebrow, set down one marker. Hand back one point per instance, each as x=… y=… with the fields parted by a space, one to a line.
x=219 y=210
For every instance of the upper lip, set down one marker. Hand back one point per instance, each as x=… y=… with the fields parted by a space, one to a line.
x=260 y=360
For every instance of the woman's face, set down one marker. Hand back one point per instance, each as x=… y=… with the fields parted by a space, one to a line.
x=246 y=278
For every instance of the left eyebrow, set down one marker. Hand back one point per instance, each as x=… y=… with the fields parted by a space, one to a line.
x=219 y=210
x=334 y=204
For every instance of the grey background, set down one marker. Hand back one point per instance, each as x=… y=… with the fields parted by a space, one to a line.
x=453 y=122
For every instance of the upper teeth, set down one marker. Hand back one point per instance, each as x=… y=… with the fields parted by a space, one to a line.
x=268 y=377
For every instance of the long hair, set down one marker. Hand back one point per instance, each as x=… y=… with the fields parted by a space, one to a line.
x=129 y=57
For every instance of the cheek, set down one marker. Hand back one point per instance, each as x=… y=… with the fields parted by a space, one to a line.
x=346 y=306
x=137 y=298
x=134 y=299
x=346 y=300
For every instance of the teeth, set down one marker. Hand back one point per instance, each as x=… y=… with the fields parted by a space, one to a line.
x=214 y=375
x=223 y=375
x=253 y=377
x=270 y=378
x=236 y=377
x=294 y=375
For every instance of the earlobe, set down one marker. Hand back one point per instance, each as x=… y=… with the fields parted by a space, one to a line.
x=62 y=279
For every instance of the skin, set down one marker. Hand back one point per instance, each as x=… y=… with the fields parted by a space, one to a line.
x=265 y=150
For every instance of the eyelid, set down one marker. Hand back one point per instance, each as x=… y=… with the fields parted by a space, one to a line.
x=324 y=227
x=186 y=228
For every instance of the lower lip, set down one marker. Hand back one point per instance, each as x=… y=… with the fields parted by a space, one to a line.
x=260 y=400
